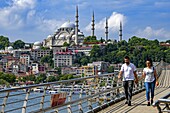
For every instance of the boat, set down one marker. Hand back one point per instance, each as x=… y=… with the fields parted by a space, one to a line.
x=40 y=90
x=76 y=89
x=51 y=92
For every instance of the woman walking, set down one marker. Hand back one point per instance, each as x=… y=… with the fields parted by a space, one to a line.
x=151 y=78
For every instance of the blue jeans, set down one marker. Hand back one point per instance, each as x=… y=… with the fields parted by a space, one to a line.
x=150 y=86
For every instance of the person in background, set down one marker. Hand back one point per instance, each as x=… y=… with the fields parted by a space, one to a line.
x=151 y=78
x=128 y=74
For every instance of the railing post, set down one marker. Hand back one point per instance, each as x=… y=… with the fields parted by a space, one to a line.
x=167 y=106
x=70 y=98
x=112 y=85
x=80 y=96
x=97 y=89
x=105 y=94
x=159 y=108
x=4 y=103
x=89 y=100
x=25 y=101
x=117 y=91
x=42 y=99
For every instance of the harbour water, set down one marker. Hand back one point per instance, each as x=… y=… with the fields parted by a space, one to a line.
x=10 y=105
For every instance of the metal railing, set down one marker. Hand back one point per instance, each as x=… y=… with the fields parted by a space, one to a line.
x=88 y=94
x=162 y=104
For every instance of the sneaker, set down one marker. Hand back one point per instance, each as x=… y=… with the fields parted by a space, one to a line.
x=151 y=101
x=129 y=103
x=148 y=104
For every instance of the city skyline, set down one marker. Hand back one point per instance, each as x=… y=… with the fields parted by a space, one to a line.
x=34 y=20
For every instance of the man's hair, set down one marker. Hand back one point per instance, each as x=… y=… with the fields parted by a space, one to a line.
x=126 y=57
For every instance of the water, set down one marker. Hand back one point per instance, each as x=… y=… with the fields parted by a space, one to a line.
x=37 y=101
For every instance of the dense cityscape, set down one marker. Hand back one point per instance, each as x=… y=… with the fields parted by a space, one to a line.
x=83 y=56
x=68 y=54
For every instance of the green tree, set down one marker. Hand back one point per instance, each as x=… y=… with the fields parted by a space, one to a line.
x=4 y=82
x=110 y=69
x=41 y=78
x=47 y=59
x=18 y=44
x=51 y=79
x=168 y=41
x=90 y=39
x=10 y=78
x=32 y=78
x=66 y=44
x=4 y=42
x=95 y=52
x=58 y=70
x=102 y=40
x=84 y=61
x=167 y=55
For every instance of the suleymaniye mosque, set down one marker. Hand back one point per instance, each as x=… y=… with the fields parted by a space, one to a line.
x=68 y=32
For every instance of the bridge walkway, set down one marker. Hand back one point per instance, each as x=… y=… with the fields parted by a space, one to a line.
x=139 y=104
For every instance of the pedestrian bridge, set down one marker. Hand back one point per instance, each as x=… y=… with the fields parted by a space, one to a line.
x=100 y=93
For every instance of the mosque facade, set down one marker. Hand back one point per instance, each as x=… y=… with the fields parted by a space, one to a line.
x=68 y=32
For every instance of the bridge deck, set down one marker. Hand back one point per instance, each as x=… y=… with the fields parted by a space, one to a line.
x=139 y=103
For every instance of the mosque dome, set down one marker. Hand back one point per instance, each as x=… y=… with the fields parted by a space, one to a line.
x=72 y=32
x=68 y=25
x=56 y=36
x=37 y=44
x=62 y=36
x=80 y=33
x=68 y=36
x=10 y=48
x=49 y=36
x=73 y=37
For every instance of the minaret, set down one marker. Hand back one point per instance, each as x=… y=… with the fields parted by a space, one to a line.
x=92 y=25
x=120 y=32
x=76 y=26
x=106 y=32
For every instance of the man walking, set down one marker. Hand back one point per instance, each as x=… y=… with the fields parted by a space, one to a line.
x=128 y=74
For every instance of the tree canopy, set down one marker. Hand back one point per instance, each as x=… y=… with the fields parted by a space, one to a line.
x=138 y=49
x=4 y=42
x=9 y=78
x=18 y=44
x=90 y=39
x=47 y=59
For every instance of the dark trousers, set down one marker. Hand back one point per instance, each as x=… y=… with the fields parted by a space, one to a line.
x=128 y=88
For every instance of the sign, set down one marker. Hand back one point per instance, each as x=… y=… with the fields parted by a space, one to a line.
x=58 y=99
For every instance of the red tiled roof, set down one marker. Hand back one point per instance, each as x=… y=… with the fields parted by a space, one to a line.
x=63 y=53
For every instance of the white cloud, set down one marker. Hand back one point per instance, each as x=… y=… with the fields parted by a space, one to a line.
x=113 y=23
x=23 y=4
x=11 y=16
x=151 y=33
x=31 y=14
x=48 y=25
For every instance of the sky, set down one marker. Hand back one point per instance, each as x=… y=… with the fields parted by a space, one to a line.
x=34 y=20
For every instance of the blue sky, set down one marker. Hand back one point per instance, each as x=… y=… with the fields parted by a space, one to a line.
x=34 y=20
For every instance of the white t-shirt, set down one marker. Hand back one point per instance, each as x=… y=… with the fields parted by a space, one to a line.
x=149 y=74
x=128 y=71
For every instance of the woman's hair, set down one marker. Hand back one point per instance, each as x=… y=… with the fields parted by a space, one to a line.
x=150 y=60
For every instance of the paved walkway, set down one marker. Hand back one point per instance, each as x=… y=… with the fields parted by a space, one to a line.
x=139 y=104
